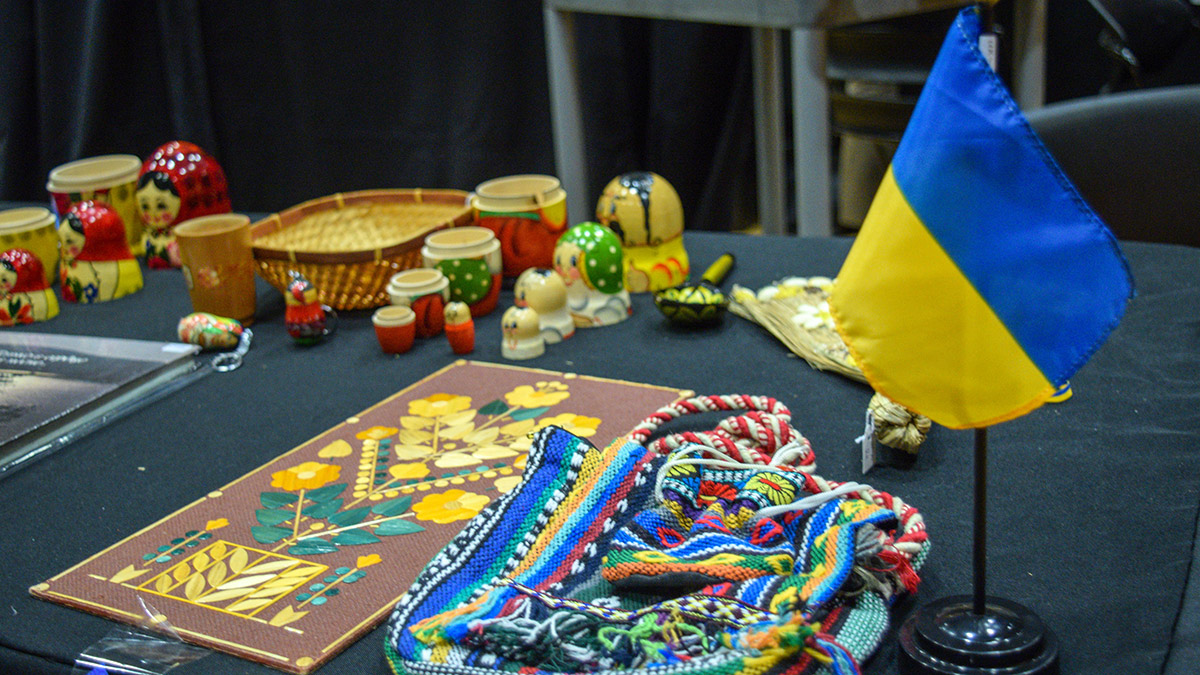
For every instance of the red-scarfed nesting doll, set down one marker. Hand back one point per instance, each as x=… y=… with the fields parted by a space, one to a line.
x=94 y=259
x=303 y=315
x=25 y=296
x=179 y=181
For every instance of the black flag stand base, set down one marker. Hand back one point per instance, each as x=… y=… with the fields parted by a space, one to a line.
x=947 y=636
x=969 y=634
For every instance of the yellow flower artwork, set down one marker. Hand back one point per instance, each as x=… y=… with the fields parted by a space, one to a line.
x=438 y=405
x=409 y=471
x=376 y=433
x=306 y=476
x=545 y=394
x=579 y=425
x=506 y=484
x=449 y=506
x=453 y=460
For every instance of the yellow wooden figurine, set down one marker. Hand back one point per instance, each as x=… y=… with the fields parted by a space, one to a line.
x=646 y=213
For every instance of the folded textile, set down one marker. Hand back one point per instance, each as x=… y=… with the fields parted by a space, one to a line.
x=625 y=560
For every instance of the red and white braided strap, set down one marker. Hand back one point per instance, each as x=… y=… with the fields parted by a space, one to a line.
x=764 y=435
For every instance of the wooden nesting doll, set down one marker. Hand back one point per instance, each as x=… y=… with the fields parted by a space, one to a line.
x=589 y=260
x=522 y=336
x=645 y=212
x=209 y=331
x=95 y=264
x=303 y=314
x=25 y=296
x=460 y=327
x=178 y=181
x=544 y=291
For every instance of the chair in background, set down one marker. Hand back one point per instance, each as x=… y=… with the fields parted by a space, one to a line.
x=1144 y=37
x=1135 y=157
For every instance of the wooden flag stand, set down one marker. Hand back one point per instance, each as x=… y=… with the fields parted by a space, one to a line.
x=977 y=633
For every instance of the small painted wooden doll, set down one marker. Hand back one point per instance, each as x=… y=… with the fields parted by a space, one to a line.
x=25 y=296
x=209 y=331
x=522 y=337
x=460 y=327
x=178 y=181
x=95 y=264
x=545 y=292
x=589 y=260
x=303 y=315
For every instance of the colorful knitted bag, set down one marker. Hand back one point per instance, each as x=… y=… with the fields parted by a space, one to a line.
x=713 y=558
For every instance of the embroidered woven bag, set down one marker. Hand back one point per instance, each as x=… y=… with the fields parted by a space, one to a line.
x=714 y=556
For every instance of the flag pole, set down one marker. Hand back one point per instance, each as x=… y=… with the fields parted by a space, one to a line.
x=979 y=605
x=989 y=48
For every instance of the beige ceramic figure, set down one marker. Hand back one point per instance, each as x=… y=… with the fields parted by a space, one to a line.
x=544 y=291
x=522 y=336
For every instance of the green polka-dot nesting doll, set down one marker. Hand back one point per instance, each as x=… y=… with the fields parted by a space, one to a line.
x=589 y=259
x=470 y=280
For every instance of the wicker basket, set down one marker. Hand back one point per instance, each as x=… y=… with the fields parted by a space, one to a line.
x=349 y=245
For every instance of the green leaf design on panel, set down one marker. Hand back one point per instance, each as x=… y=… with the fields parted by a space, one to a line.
x=392 y=508
x=351 y=517
x=312 y=547
x=398 y=527
x=355 y=538
x=323 y=510
x=269 y=535
x=274 y=500
x=326 y=493
x=494 y=408
x=528 y=413
x=269 y=517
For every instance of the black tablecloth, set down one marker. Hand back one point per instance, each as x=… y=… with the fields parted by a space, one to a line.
x=1093 y=502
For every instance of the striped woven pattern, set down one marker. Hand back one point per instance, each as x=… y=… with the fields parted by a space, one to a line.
x=624 y=559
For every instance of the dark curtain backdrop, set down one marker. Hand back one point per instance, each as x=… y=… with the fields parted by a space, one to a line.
x=301 y=99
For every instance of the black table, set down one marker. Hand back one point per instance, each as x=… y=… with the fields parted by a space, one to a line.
x=1093 y=502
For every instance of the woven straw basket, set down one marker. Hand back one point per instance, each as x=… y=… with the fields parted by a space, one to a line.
x=349 y=245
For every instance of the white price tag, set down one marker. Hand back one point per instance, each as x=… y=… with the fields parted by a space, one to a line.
x=868 y=444
x=989 y=45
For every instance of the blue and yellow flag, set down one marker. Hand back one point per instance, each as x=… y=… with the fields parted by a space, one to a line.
x=980 y=280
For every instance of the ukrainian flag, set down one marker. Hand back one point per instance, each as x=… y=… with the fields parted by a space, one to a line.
x=980 y=280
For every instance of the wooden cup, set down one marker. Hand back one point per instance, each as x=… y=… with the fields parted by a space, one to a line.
x=218 y=265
